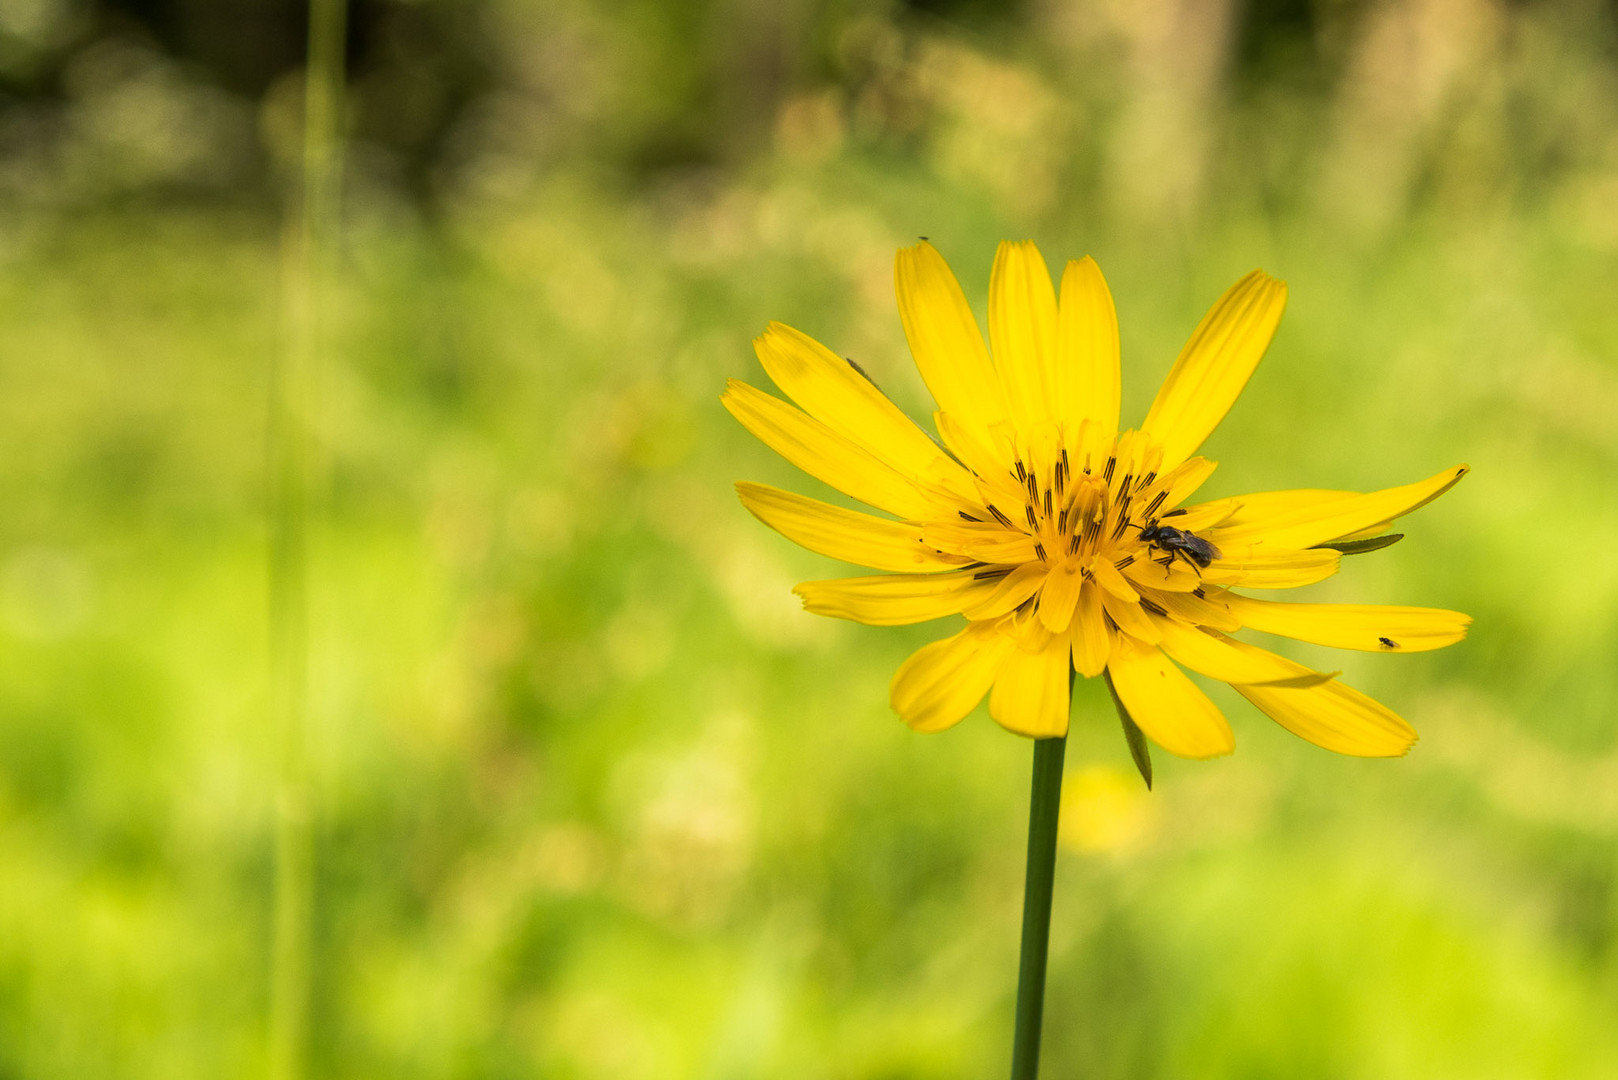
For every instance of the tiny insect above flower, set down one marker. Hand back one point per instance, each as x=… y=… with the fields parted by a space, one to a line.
x=1067 y=545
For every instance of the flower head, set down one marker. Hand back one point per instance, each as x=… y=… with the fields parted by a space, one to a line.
x=1067 y=544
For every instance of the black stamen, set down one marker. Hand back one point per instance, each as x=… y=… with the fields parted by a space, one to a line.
x=1157 y=500
x=1175 y=513
x=1150 y=606
x=1039 y=549
x=1073 y=545
x=1001 y=518
x=1033 y=523
x=969 y=517
x=1047 y=502
x=1125 y=561
x=1022 y=473
x=1106 y=474
x=995 y=572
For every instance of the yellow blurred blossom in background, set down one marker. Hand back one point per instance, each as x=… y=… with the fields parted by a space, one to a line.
x=1104 y=809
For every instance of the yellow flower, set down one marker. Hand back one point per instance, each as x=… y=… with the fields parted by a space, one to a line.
x=1067 y=544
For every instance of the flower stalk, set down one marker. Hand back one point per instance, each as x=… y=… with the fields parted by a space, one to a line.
x=308 y=250
x=1044 y=806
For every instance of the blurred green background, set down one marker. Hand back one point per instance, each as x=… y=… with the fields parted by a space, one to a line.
x=594 y=798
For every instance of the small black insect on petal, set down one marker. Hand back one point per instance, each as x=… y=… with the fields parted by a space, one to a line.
x=1179 y=541
x=1387 y=643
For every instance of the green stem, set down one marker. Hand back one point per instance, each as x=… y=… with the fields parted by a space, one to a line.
x=308 y=252
x=1044 y=805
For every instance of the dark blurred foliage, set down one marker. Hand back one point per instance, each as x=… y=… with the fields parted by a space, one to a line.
x=195 y=99
x=696 y=84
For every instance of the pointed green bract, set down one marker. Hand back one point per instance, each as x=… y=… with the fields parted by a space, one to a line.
x=1360 y=547
x=1133 y=735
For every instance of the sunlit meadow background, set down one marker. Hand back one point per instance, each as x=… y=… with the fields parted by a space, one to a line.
x=595 y=799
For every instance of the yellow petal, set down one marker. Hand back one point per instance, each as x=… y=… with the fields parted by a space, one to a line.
x=1252 y=569
x=896 y=599
x=1368 y=532
x=1175 y=576
x=1130 y=617
x=1166 y=704
x=1086 y=381
x=985 y=542
x=1092 y=642
x=1204 y=515
x=832 y=391
x=1022 y=330
x=1136 y=454
x=823 y=454
x=989 y=466
x=843 y=534
x=1182 y=481
x=1108 y=577
x=1030 y=694
x=1370 y=627
x=1061 y=595
x=941 y=683
x=1259 y=505
x=1209 y=609
x=1010 y=592
x=1222 y=658
x=945 y=341
x=1007 y=547
x=1215 y=365
x=1311 y=522
x=1335 y=717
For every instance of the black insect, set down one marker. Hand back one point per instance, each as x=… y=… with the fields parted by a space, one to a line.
x=1180 y=541
x=1388 y=643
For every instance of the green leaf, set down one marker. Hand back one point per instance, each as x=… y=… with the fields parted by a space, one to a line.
x=1360 y=547
x=1133 y=735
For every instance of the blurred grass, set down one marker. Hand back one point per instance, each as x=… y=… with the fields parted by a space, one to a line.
x=596 y=799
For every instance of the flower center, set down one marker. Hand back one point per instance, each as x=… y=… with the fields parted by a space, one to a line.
x=1084 y=504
